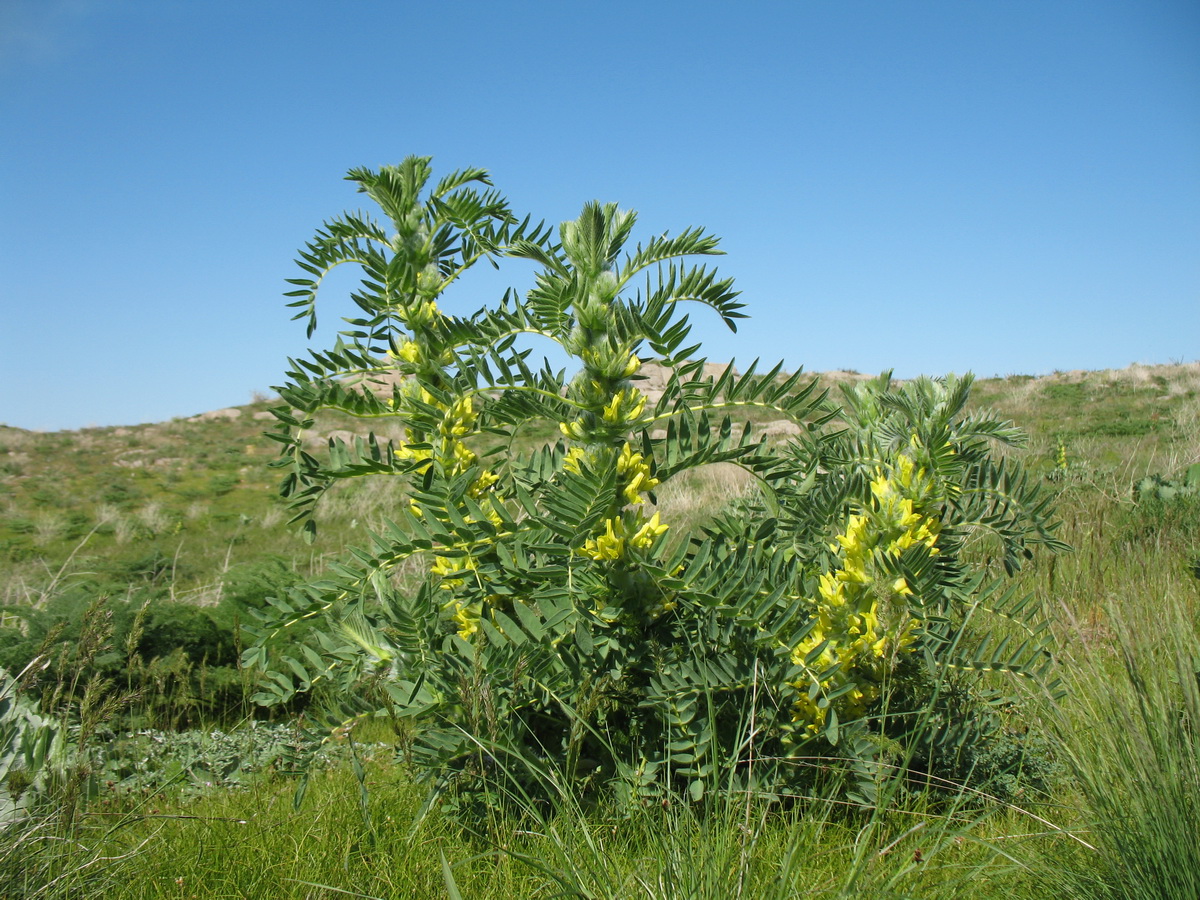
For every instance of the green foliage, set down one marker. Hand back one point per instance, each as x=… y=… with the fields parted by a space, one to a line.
x=179 y=658
x=892 y=513
x=1070 y=392
x=251 y=842
x=29 y=744
x=1125 y=427
x=189 y=763
x=45 y=749
x=1164 y=490
x=550 y=619
x=170 y=625
x=220 y=485
x=1168 y=511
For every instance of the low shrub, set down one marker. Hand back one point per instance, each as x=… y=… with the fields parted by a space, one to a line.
x=188 y=763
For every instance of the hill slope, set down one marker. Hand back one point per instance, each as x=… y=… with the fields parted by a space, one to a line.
x=194 y=498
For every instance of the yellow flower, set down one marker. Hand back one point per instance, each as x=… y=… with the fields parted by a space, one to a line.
x=574 y=457
x=482 y=483
x=573 y=430
x=459 y=418
x=650 y=531
x=880 y=486
x=404 y=451
x=410 y=352
x=444 y=566
x=853 y=571
x=832 y=590
x=805 y=709
x=423 y=314
x=661 y=608
x=467 y=615
x=610 y=545
x=464 y=457
x=815 y=638
x=463 y=409
x=635 y=472
x=625 y=407
x=855 y=538
x=864 y=623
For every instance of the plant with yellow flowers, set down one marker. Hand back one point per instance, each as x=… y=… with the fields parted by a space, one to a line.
x=862 y=621
x=559 y=617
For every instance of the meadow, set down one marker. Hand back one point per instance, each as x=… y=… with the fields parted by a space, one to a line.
x=132 y=556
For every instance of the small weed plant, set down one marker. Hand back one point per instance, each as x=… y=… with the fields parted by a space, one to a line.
x=556 y=622
x=29 y=745
x=192 y=763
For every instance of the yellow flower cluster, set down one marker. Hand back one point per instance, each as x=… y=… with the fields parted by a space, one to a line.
x=625 y=407
x=466 y=614
x=633 y=479
x=444 y=566
x=604 y=361
x=574 y=457
x=574 y=430
x=459 y=418
x=861 y=618
x=418 y=356
x=634 y=473
x=612 y=544
x=410 y=352
x=422 y=314
x=457 y=423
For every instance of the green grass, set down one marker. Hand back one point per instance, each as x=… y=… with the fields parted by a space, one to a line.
x=256 y=844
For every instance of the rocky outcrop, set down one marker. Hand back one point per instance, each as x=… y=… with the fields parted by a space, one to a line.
x=779 y=428
x=229 y=414
x=655 y=377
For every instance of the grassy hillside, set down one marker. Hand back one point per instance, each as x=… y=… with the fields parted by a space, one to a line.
x=194 y=498
x=196 y=492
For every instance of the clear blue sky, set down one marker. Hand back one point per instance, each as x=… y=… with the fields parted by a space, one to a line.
x=998 y=186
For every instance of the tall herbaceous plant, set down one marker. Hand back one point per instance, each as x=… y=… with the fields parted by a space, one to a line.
x=559 y=627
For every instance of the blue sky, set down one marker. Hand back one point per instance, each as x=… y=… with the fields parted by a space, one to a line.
x=1003 y=187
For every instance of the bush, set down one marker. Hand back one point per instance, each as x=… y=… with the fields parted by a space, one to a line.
x=180 y=659
x=555 y=629
x=173 y=626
